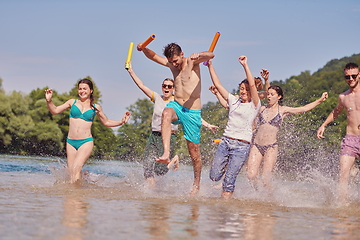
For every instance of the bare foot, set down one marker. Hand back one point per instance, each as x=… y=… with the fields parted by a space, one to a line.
x=226 y=195
x=218 y=186
x=174 y=163
x=194 y=191
x=165 y=158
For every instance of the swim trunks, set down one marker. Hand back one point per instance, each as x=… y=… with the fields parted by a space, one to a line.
x=190 y=120
x=350 y=145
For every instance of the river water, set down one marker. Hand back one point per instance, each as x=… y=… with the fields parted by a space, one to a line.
x=36 y=204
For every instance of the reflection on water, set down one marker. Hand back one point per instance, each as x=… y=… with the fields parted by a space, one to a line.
x=75 y=216
x=192 y=220
x=32 y=206
x=157 y=217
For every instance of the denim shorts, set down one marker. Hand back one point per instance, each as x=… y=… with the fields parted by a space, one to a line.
x=229 y=159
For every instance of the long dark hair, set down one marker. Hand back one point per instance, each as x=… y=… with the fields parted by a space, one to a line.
x=279 y=92
x=91 y=86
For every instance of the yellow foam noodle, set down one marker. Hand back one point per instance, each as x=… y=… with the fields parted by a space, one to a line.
x=129 y=56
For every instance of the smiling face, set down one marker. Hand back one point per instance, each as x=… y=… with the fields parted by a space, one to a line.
x=167 y=88
x=84 y=90
x=244 y=92
x=176 y=60
x=352 y=77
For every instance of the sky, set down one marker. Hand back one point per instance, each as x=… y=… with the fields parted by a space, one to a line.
x=48 y=43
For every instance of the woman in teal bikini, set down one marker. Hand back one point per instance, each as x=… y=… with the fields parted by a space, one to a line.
x=79 y=143
x=265 y=146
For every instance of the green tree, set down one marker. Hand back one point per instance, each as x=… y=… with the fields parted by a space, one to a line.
x=132 y=137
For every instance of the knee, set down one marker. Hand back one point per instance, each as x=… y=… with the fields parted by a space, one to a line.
x=167 y=114
x=215 y=176
x=252 y=174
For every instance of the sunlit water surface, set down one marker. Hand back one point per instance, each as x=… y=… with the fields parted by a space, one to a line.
x=36 y=204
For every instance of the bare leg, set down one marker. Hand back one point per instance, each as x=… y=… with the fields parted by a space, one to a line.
x=253 y=165
x=151 y=182
x=194 y=151
x=174 y=163
x=168 y=117
x=269 y=164
x=346 y=163
x=77 y=159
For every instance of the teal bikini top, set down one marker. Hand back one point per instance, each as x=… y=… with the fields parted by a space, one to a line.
x=88 y=116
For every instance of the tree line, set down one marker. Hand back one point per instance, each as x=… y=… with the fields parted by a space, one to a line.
x=28 y=128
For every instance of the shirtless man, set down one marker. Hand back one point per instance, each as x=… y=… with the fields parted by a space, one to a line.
x=186 y=109
x=350 y=145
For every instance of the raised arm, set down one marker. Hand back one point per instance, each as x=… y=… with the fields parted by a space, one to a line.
x=250 y=78
x=150 y=54
x=148 y=92
x=56 y=109
x=222 y=101
x=215 y=79
x=201 y=57
x=265 y=75
x=332 y=116
x=111 y=123
x=307 y=107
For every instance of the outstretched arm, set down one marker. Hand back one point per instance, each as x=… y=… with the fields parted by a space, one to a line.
x=150 y=54
x=215 y=79
x=52 y=108
x=148 y=92
x=332 y=116
x=111 y=123
x=212 y=128
x=250 y=78
x=307 y=107
x=222 y=101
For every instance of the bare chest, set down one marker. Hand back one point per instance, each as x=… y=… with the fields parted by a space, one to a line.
x=351 y=102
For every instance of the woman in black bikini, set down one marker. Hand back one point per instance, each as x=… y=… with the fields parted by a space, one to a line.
x=265 y=146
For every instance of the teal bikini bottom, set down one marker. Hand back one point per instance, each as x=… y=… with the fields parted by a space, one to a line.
x=77 y=143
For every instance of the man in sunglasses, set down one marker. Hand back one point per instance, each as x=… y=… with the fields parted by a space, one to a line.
x=350 y=145
x=186 y=107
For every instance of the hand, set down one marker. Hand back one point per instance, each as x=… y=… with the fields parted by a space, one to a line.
x=130 y=67
x=126 y=117
x=212 y=128
x=242 y=60
x=324 y=96
x=208 y=63
x=213 y=89
x=195 y=56
x=320 y=132
x=138 y=47
x=48 y=94
x=264 y=74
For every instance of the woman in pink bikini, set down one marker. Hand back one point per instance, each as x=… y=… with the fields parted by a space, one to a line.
x=79 y=143
x=265 y=145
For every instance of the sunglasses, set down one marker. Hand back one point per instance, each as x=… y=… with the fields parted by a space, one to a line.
x=353 y=76
x=167 y=86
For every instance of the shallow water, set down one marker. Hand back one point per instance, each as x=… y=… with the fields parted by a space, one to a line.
x=120 y=206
